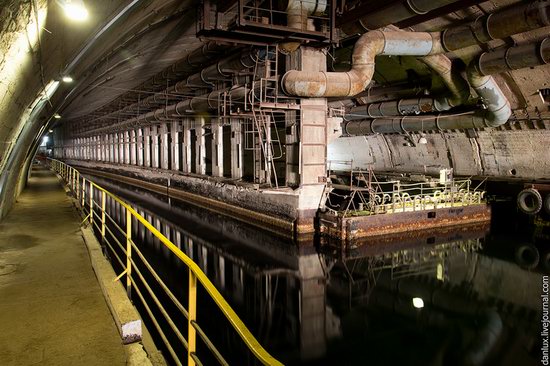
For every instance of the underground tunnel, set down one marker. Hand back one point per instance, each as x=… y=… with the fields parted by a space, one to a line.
x=259 y=182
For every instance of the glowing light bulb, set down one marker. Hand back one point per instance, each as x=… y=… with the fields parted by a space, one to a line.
x=56 y=116
x=418 y=302
x=67 y=79
x=75 y=10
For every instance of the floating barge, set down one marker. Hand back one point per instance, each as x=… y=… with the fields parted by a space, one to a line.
x=377 y=209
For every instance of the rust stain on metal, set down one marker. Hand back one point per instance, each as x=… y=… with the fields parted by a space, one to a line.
x=426 y=107
x=352 y=228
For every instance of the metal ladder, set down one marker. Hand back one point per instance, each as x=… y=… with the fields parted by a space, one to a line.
x=269 y=83
x=263 y=122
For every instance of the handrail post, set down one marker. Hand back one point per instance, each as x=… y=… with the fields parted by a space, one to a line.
x=83 y=196
x=192 y=316
x=128 y=253
x=73 y=174
x=102 y=216
x=91 y=205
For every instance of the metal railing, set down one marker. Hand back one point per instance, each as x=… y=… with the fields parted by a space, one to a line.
x=365 y=195
x=93 y=201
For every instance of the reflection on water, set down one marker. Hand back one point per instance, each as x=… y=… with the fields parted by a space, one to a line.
x=440 y=298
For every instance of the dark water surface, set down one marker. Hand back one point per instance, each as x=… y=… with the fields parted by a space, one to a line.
x=312 y=305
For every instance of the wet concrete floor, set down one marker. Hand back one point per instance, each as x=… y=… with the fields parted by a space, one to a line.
x=52 y=310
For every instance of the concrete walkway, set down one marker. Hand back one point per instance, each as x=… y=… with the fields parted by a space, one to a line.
x=52 y=311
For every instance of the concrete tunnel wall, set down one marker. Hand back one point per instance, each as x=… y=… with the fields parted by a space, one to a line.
x=522 y=154
x=36 y=44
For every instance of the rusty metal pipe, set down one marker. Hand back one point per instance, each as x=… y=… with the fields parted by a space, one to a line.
x=498 y=25
x=196 y=59
x=201 y=103
x=458 y=87
x=414 y=124
x=496 y=114
x=204 y=79
x=393 y=13
x=299 y=10
x=459 y=90
x=514 y=58
x=498 y=106
x=402 y=107
x=369 y=45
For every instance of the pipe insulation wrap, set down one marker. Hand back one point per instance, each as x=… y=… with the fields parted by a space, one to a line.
x=395 y=12
x=501 y=24
x=498 y=106
x=310 y=7
x=413 y=44
x=515 y=58
x=497 y=113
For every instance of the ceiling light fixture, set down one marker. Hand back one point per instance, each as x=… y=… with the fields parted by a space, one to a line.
x=418 y=302
x=67 y=79
x=56 y=116
x=75 y=10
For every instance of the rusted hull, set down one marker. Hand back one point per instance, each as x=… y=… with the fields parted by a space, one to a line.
x=354 y=230
x=377 y=245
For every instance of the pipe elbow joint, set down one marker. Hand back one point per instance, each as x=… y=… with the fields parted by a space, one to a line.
x=304 y=83
x=496 y=118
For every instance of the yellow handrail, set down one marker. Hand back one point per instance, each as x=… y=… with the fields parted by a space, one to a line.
x=72 y=176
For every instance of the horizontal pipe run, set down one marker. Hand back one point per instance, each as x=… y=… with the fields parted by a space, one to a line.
x=403 y=107
x=204 y=79
x=496 y=114
x=373 y=43
x=515 y=58
x=202 y=103
x=501 y=24
x=415 y=124
x=393 y=13
x=198 y=58
x=457 y=86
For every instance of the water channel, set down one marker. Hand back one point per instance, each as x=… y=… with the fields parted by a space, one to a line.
x=463 y=296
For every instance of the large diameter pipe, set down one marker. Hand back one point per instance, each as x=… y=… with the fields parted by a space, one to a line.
x=414 y=124
x=498 y=106
x=201 y=103
x=498 y=25
x=459 y=90
x=457 y=86
x=196 y=59
x=494 y=62
x=514 y=58
x=403 y=107
x=497 y=113
x=393 y=13
x=299 y=10
x=204 y=79
x=369 y=45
